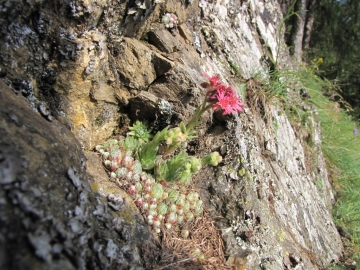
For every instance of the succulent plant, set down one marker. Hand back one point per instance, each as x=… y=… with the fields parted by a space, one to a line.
x=158 y=181
x=148 y=152
x=140 y=132
x=212 y=159
x=131 y=143
x=185 y=233
x=165 y=204
x=170 y=20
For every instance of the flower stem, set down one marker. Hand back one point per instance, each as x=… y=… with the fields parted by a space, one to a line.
x=195 y=119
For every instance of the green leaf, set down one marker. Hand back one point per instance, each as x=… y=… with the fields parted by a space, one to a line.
x=148 y=151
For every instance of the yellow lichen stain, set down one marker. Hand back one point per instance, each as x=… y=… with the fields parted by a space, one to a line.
x=308 y=243
x=250 y=176
x=127 y=214
x=78 y=118
x=111 y=189
x=95 y=187
x=281 y=236
x=242 y=172
x=237 y=263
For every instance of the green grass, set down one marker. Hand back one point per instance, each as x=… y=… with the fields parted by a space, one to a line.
x=341 y=148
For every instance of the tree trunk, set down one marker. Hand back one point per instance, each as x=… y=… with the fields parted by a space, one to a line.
x=297 y=31
x=309 y=24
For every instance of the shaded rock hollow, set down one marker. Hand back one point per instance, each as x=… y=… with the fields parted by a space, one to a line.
x=97 y=68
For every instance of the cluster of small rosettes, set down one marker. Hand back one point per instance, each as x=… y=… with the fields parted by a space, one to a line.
x=163 y=205
x=170 y=20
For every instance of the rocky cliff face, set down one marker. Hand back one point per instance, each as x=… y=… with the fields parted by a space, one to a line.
x=92 y=67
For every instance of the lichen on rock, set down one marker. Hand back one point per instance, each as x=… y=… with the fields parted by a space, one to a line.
x=96 y=69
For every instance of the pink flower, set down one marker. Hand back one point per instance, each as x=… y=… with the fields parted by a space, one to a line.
x=234 y=101
x=223 y=98
x=213 y=80
x=213 y=88
x=223 y=103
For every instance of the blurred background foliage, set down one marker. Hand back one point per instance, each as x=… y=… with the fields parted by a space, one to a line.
x=335 y=38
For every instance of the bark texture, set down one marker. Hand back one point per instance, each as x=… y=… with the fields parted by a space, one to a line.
x=297 y=31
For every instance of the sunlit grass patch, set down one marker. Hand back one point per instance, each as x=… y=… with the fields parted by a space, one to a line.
x=341 y=147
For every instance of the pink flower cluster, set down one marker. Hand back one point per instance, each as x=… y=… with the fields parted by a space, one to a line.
x=222 y=97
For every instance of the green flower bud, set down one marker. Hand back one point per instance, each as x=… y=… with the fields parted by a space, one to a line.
x=173 y=207
x=173 y=195
x=169 y=137
x=183 y=190
x=180 y=219
x=180 y=203
x=114 y=149
x=130 y=143
x=161 y=170
x=152 y=213
x=182 y=127
x=196 y=252
x=157 y=190
x=198 y=209
x=193 y=205
x=137 y=167
x=181 y=138
x=121 y=172
x=212 y=159
x=201 y=257
x=185 y=233
x=185 y=177
x=170 y=133
x=135 y=178
x=145 y=206
x=195 y=165
x=186 y=206
x=157 y=223
x=165 y=195
x=113 y=142
x=192 y=196
x=107 y=163
x=162 y=209
x=98 y=147
x=171 y=218
x=189 y=216
x=138 y=186
x=169 y=140
x=150 y=219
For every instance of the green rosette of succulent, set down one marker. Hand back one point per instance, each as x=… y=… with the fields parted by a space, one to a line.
x=140 y=132
x=148 y=152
